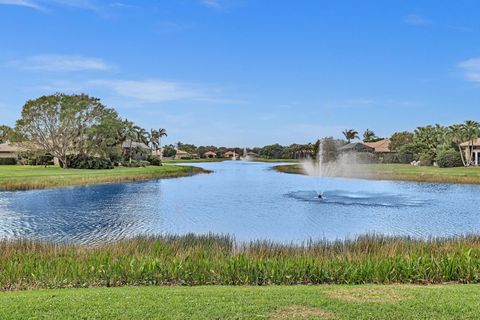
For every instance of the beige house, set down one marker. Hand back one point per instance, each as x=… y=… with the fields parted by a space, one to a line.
x=229 y=154
x=381 y=146
x=473 y=150
x=8 y=151
x=182 y=154
x=210 y=154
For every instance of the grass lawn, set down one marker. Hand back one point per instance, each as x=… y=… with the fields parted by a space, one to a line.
x=405 y=172
x=38 y=177
x=195 y=160
x=227 y=302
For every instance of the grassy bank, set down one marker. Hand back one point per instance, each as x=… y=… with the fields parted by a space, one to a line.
x=275 y=303
x=205 y=260
x=37 y=177
x=195 y=160
x=404 y=172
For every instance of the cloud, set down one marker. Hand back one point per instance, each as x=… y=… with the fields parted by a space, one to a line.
x=154 y=90
x=60 y=63
x=211 y=3
x=416 y=20
x=471 y=69
x=23 y=3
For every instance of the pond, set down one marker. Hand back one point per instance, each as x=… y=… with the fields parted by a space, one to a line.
x=246 y=199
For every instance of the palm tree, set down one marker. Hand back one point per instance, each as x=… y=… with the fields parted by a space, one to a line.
x=456 y=134
x=368 y=135
x=471 y=131
x=350 y=134
x=161 y=133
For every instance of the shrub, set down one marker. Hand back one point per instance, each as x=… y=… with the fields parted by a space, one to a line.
x=76 y=161
x=449 y=158
x=426 y=159
x=155 y=161
x=8 y=161
x=135 y=164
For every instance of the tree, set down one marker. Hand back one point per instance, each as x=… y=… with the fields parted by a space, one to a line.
x=350 y=134
x=399 y=139
x=432 y=137
x=471 y=131
x=5 y=133
x=58 y=123
x=369 y=136
x=156 y=138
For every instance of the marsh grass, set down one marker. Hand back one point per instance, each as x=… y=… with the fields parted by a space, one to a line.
x=215 y=259
x=37 y=177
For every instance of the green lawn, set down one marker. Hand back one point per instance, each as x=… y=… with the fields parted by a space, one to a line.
x=404 y=172
x=217 y=302
x=37 y=177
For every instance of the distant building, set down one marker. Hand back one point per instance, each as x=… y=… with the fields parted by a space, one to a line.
x=229 y=154
x=182 y=154
x=356 y=147
x=473 y=150
x=137 y=150
x=8 y=151
x=210 y=154
x=381 y=146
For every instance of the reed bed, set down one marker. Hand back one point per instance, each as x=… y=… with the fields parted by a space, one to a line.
x=219 y=260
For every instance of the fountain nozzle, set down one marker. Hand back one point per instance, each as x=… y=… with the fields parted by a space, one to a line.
x=320 y=196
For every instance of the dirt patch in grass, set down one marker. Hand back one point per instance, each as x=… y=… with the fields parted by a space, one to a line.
x=300 y=312
x=367 y=295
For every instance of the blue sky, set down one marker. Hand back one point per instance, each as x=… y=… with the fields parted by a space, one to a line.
x=253 y=72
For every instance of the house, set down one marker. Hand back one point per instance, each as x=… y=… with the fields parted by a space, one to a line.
x=8 y=151
x=182 y=154
x=381 y=146
x=210 y=154
x=356 y=147
x=229 y=154
x=137 y=150
x=472 y=149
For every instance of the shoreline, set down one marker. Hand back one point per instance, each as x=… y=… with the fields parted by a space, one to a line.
x=412 y=174
x=22 y=178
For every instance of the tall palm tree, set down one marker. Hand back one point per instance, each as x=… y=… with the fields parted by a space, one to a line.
x=456 y=135
x=471 y=130
x=350 y=134
x=161 y=133
x=368 y=135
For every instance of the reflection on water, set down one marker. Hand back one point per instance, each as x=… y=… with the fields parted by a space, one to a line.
x=248 y=200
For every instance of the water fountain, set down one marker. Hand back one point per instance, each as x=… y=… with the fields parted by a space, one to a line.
x=318 y=167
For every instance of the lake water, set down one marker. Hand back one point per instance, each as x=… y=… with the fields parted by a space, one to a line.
x=246 y=199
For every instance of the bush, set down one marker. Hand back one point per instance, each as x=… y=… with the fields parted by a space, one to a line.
x=155 y=161
x=8 y=161
x=135 y=164
x=76 y=161
x=426 y=159
x=449 y=159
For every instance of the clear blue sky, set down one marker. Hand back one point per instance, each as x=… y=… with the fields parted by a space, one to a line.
x=253 y=72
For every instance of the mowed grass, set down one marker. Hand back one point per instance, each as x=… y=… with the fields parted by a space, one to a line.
x=227 y=302
x=403 y=172
x=218 y=260
x=39 y=177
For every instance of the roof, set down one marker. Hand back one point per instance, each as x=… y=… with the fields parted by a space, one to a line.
x=5 y=147
x=134 y=144
x=355 y=146
x=210 y=152
x=380 y=146
x=476 y=143
x=229 y=152
x=182 y=152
